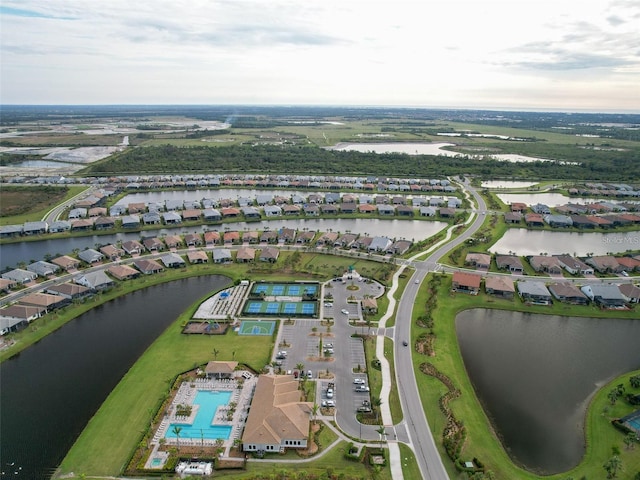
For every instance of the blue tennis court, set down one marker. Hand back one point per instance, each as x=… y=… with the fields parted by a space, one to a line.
x=260 y=288
x=272 y=307
x=308 y=308
x=293 y=290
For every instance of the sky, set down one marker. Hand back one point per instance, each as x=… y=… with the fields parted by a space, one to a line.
x=568 y=55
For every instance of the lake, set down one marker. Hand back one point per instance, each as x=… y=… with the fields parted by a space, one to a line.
x=506 y=184
x=531 y=242
x=534 y=375
x=52 y=389
x=14 y=253
x=436 y=148
x=549 y=199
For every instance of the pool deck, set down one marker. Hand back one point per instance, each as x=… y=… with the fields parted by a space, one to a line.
x=186 y=395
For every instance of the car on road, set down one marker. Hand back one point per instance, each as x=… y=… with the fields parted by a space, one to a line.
x=359 y=381
x=309 y=374
x=362 y=388
x=345 y=311
x=417 y=281
x=405 y=343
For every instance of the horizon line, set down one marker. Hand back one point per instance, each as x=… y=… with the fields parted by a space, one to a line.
x=330 y=105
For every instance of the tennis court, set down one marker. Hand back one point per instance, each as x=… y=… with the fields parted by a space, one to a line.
x=287 y=309
x=284 y=289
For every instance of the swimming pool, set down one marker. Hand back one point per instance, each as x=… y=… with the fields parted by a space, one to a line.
x=202 y=427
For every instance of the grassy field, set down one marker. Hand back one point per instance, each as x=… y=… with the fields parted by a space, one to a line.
x=481 y=441
x=29 y=204
x=113 y=433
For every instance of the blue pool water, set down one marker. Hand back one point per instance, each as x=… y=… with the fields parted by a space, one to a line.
x=202 y=428
x=157 y=462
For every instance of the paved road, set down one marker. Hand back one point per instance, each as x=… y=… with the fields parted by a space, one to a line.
x=416 y=423
x=53 y=214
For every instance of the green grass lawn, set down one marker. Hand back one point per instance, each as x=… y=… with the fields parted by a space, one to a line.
x=113 y=433
x=39 y=200
x=410 y=467
x=481 y=441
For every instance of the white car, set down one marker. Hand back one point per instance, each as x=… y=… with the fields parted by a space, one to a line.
x=345 y=311
x=329 y=392
x=359 y=381
x=328 y=345
x=362 y=388
x=328 y=304
x=328 y=403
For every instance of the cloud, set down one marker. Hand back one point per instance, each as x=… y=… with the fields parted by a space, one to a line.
x=565 y=60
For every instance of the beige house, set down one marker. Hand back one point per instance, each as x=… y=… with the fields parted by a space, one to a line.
x=277 y=419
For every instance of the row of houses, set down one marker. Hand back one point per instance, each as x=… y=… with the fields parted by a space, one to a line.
x=267 y=199
x=555 y=264
x=606 y=295
x=577 y=221
x=213 y=215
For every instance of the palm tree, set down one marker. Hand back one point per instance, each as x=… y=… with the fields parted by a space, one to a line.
x=612 y=466
x=382 y=432
x=376 y=402
x=176 y=430
x=314 y=410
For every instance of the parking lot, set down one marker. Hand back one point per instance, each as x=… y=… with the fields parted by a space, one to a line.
x=302 y=346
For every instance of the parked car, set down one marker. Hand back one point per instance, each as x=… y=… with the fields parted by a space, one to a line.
x=328 y=403
x=328 y=304
x=345 y=311
x=362 y=388
x=328 y=345
x=359 y=381
x=364 y=409
x=309 y=374
x=329 y=392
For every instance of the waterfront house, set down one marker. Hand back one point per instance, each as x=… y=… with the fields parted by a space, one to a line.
x=399 y=247
x=123 y=272
x=379 y=244
x=82 y=225
x=47 y=301
x=541 y=209
x=172 y=260
x=629 y=264
x=568 y=293
x=511 y=263
x=466 y=282
x=112 y=252
x=534 y=220
x=43 y=269
x=133 y=247
x=91 y=256
x=543 y=263
x=573 y=265
x=104 y=223
x=148 y=267
x=251 y=213
x=171 y=218
x=221 y=255
x=558 y=221
x=151 y=218
x=606 y=295
x=16 y=317
x=153 y=244
x=97 y=280
x=513 y=217
x=499 y=286
x=66 y=262
x=70 y=291
x=197 y=256
x=211 y=215
x=193 y=240
x=231 y=238
x=481 y=261
x=59 y=226
x=130 y=221
x=191 y=214
x=35 y=228
x=211 y=238
x=534 y=292
x=630 y=292
x=605 y=264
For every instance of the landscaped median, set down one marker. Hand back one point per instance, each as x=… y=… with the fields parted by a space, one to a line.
x=477 y=438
